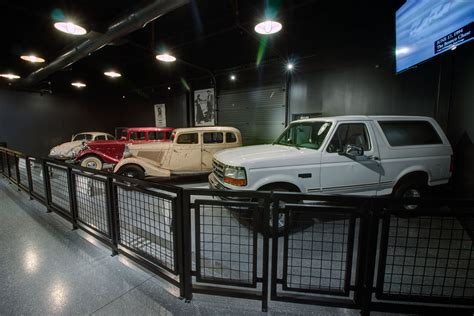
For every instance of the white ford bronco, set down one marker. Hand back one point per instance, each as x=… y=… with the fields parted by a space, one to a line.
x=362 y=155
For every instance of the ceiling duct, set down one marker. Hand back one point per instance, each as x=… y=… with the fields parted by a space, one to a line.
x=131 y=23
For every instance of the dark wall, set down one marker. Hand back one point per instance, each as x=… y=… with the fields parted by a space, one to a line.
x=33 y=123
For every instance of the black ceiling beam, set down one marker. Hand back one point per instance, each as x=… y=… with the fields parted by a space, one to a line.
x=130 y=23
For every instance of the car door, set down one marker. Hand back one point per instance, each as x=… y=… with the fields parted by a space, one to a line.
x=186 y=152
x=341 y=174
x=212 y=142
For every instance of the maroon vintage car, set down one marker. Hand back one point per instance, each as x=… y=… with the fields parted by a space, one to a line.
x=95 y=154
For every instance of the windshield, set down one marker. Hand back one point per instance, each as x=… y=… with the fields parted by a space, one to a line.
x=82 y=137
x=305 y=134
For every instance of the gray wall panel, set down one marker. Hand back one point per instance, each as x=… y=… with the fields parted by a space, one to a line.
x=259 y=114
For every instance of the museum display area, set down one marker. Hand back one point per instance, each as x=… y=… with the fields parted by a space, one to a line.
x=298 y=157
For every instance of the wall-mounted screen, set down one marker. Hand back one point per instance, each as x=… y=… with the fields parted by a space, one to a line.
x=426 y=28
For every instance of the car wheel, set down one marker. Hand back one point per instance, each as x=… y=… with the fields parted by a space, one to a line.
x=132 y=172
x=92 y=162
x=409 y=190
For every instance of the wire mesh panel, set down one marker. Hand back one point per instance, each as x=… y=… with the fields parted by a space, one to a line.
x=318 y=253
x=37 y=178
x=427 y=257
x=147 y=225
x=226 y=250
x=12 y=166
x=91 y=203
x=59 y=188
x=23 y=172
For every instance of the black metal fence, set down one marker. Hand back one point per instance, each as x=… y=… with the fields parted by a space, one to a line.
x=353 y=252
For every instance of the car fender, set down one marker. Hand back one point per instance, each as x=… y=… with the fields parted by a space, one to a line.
x=411 y=169
x=105 y=158
x=150 y=170
x=275 y=178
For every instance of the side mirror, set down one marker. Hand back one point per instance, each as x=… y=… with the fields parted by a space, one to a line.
x=353 y=151
x=123 y=138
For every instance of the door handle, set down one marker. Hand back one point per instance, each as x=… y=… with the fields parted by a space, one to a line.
x=372 y=157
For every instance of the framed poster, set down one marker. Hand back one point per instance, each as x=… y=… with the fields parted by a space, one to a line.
x=204 y=107
x=160 y=115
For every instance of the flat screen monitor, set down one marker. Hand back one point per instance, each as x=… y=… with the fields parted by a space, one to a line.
x=426 y=28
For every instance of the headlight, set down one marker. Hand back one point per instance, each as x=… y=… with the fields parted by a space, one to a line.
x=126 y=152
x=52 y=152
x=235 y=176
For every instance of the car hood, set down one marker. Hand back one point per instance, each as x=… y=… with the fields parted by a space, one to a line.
x=66 y=149
x=266 y=156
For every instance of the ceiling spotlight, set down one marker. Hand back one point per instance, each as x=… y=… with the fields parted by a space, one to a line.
x=290 y=66
x=169 y=88
x=232 y=77
x=32 y=58
x=167 y=58
x=78 y=84
x=10 y=76
x=70 y=28
x=112 y=74
x=268 y=27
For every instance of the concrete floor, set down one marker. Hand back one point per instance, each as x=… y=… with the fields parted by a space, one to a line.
x=48 y=269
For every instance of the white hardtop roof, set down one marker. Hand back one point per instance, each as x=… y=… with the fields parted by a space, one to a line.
x=364 y=118
x=93 y=133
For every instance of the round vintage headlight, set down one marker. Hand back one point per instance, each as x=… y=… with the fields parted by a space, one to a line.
x=235 y=176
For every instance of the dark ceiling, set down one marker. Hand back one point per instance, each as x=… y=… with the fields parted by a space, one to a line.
x=213 y=34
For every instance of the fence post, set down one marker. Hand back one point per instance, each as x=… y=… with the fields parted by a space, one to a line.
x=112 y=214
x=71 y=181
x=265 y=208
x=183 y=222
x=17 y=171
x=47 y=186
x=369 y=229
x=30 y=178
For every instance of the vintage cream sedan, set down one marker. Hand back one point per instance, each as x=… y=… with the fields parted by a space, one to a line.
x=190 y=152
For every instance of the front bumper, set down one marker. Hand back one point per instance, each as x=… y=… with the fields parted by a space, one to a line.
x=61 y=157
x=215 y=184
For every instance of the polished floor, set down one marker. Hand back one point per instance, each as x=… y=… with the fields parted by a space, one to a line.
x=48 y=269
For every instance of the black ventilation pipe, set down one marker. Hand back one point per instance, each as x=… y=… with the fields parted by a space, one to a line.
x=131 y=23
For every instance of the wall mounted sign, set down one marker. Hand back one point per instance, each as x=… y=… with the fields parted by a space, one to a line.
x=160 y=115
x=204 y=107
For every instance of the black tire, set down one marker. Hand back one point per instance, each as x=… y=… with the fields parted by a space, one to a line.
x=132 y=171
x=410 y=188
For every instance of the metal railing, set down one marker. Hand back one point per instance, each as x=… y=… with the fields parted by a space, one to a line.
x=352 y=252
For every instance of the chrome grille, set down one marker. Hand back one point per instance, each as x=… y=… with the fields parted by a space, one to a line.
x=218 y=169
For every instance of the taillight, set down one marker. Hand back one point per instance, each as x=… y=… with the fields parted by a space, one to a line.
x=451 y=164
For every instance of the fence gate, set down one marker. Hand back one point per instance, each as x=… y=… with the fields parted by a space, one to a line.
x=317 y=250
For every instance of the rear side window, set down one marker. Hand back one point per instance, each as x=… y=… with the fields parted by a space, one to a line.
x=138 y=135
x=409 y=133
x=230 y=138
x=100 y=137
x=110 y=137
x=191 y=138
x=156 y=135
x=213 y=138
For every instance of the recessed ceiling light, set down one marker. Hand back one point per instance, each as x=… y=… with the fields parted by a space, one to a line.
x=32 y=58
x=113 y=74
x=167 y=58
x=289 y=66
x=169 y=88
x=10 y=76
x=232 y=77
x=70 y=28
x=268 y=27
x=78 y=84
